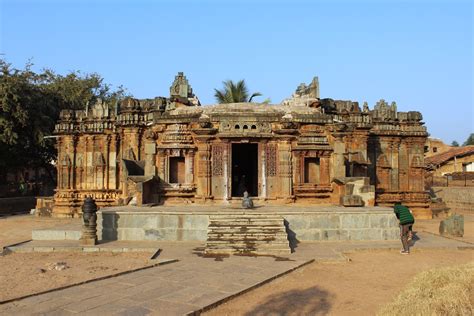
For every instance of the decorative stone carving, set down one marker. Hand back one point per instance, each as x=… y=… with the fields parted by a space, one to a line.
x=217 y=160
x=346 y=141
x=271 y=160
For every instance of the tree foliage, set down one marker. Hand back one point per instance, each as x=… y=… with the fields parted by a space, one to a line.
x=234 y=92
x=455 y=144
x=30 y=103
x=469 y=140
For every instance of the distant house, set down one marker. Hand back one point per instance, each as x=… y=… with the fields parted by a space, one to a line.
x=435 y=146
x=456 y=159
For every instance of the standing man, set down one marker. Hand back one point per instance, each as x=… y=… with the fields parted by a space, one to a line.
x=406 y=221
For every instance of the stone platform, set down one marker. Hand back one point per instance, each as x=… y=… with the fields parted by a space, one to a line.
x=303 y=223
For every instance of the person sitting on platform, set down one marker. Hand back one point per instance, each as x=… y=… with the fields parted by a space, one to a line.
x=247 y=201
x=406 y=220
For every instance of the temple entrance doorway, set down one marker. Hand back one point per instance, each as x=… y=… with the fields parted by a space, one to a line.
x=244 y=169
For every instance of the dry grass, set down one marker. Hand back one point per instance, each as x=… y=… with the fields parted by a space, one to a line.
x=442 y=291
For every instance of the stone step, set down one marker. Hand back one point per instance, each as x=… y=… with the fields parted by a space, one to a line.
x=248 y=228
x=249 y=243
x=213 y=235
x=258 y=252
x=253 y=217
x=247 y=222
x=242 y=223
x=246 y=243
x=247 y=234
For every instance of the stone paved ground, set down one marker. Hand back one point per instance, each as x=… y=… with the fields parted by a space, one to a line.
x=192 y=283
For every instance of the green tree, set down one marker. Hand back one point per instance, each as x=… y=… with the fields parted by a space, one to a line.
x=234 y=92
x=469 y=140
x=455 y=144
x=30 y=103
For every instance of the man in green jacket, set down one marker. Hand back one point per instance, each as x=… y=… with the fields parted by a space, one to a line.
x=406 y=220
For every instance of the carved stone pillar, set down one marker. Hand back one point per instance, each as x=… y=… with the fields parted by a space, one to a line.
x=394 y=181
x=204 y=170
x=285 y=169
x=298 y=175
x=263 y=174
x=227 y=170
x=339 y=161
x=324 y=178
x=89 y=150
x=112 y=162
x=150 y=152
x=189 y=160
x=161 y=163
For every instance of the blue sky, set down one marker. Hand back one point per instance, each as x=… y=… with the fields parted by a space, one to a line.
x=417 y=53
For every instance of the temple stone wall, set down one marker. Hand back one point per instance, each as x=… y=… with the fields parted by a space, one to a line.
x=172 y=150
x=368 y=224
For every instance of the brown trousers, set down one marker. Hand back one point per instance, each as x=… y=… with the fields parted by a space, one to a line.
x=404 y=229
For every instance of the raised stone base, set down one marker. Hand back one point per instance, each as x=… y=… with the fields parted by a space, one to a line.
x=88 y=241
x=190 y=223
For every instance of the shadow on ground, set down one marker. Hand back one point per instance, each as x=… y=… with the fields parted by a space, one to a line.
x=310 y=301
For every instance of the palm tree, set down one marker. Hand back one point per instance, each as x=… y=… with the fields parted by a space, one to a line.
x=234 y=92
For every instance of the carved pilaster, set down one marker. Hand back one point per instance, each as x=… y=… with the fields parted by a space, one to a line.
x=204 y=170
x=285 y=169
x=324 y=170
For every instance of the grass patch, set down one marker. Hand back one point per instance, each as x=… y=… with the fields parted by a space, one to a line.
x=441 y=291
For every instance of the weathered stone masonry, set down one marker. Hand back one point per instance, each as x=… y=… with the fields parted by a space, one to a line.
x=304 y=150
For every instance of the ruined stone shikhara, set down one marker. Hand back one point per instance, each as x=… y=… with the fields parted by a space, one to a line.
x=304 y=150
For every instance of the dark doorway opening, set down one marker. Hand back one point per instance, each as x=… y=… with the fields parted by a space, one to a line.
x=177 y=171
x=244 y=169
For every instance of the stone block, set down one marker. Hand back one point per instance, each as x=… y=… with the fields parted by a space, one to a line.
x=452 y=226
x=168 y=221
x=73 y=234
x=153 y=234
x=108 y=234
x=352 y=200
x=195 y=235
x=137 y=221
x=90 y=249
x=297 y=222
x=308 y=235
x=352 y=221
x=332 y=221
x=367 y=189
x=108 y=220
x=88 y=241
x=334 y=234
x=391 y=234
x=392 y=221
x=43 y=249
x=48 y=234
x=196 y=222
x=131 y=234
x=365 y=234
x=378 y=221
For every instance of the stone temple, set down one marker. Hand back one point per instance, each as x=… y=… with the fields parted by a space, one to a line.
x=305 y=150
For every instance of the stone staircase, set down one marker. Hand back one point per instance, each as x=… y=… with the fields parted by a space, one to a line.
x=247 y=234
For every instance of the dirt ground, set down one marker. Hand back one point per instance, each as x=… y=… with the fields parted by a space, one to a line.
x=27 y=273
x=359 y=287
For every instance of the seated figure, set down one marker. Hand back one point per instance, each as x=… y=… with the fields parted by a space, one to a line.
x=247 y=201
